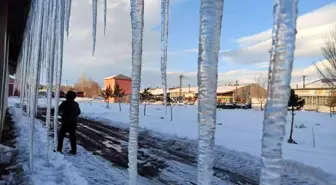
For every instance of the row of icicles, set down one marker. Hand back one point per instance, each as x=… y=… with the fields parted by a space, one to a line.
x=42 y=49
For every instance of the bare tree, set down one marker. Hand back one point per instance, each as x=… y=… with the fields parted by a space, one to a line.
x=327 y=68
x=90 y=87
x=261 y=82
x=331 y=103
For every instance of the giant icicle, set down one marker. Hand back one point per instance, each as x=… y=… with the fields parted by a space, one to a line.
x=59 y=62
x=37 y=26
x=105 y=12
x=67 y=16
x=211 y=13
x=164 y=46
x=50 y=69
x=94 y=25
x=26 y=50
x=284 y=33
x=137 y=19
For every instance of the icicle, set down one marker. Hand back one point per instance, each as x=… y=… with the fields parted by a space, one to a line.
x=60 y=35
x=105 y=12
x=210 y=30
x=50 y=70
x=22 y=72
x=164 y=47
x=44 y=33
x=284 y=33
x=36 y=66
x=25 y=60
x=137 y=19
x=94 y=25
x=67 y=16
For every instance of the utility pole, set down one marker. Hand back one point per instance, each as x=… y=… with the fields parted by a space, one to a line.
x=303 y=81
x=236 y=84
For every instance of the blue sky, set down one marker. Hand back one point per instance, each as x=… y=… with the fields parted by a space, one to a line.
x=241 y=18
x=245 y=40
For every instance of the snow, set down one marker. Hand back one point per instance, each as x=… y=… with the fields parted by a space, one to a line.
x=54 y=171
x=238 y=137
x=82 y=169
x=239 y=130
x=6 y=153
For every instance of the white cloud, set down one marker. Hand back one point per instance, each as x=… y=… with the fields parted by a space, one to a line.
x=246 y=76
x=113 y=51
x=313 y=28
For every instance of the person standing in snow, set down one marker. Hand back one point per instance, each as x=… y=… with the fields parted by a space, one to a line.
x=70 y=111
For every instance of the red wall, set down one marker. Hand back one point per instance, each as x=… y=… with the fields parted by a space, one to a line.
x=126 y=85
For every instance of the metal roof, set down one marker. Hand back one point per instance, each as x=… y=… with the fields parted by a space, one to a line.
x=119 y=76
x=220 y=89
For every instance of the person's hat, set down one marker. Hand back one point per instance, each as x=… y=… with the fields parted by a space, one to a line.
x=70 y=95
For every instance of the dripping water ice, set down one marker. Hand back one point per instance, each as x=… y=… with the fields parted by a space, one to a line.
x=210 y=30
x=59 y=62
x=94 y=25
x=37 y=26
x=67 y=15
x=50 y=70
x=137 y=21
x=284 y=33
x=105 y=12
x=164 y=46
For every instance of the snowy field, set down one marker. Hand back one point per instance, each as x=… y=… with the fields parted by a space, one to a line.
x=238 y=130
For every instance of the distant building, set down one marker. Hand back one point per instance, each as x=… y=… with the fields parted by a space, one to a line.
x=124 y=82
x=252 y=93
x=315 y=97
x=187 y=93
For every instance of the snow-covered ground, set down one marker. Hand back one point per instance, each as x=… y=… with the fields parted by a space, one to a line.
x=58 y=169
x=239 y=130
x=55 y=170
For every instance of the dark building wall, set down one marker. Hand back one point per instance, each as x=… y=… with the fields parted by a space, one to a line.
x=3 y=61
x=251 y=91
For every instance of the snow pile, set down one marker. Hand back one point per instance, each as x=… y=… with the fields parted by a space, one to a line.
x=6 y=154
x=56 y=170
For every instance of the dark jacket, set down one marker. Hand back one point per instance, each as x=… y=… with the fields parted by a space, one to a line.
x=70 y=111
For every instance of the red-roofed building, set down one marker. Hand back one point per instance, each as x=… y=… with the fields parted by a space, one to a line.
x=124 y=82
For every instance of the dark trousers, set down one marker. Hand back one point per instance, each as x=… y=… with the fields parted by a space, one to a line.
x=71 y=129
